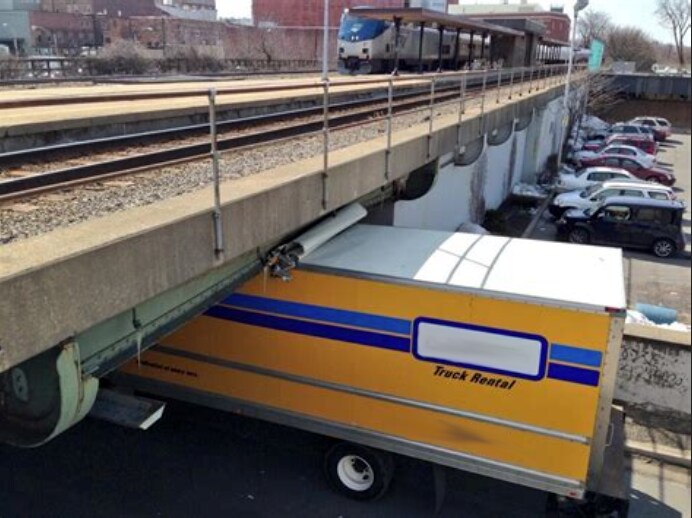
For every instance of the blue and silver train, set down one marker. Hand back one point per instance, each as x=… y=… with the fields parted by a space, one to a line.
x=368 y=46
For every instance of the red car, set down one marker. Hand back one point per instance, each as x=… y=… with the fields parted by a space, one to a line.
x=634 y=166
x=643 y=142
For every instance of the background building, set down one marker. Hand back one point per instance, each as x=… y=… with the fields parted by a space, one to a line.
x=310 y=14
x=557 y=24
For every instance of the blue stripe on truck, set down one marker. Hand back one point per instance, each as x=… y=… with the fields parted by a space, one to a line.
x=321 y=313
x=343 y=334
x=569 y=354
x=560 y=372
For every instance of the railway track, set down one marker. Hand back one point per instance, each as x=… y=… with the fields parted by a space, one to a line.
x=350 y=114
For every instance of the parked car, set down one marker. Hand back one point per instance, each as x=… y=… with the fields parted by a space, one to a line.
x=615 y=149
x=627 y=129
x=643 y=223
x=621 y=128
x=634 y=166
x=571 y=180
x=593 y=196
x=661 y=127
x=643 y=142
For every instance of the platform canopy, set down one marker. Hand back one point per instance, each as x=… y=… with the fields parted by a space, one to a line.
x=429 y=17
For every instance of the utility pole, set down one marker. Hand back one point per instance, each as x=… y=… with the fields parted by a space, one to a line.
x=578 y=6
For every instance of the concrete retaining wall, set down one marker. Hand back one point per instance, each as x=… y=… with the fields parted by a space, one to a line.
x=654 y=373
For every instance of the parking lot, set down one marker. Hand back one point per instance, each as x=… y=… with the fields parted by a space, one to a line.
x=648 y=279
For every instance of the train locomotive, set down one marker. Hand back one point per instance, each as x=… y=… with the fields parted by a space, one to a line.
x=368 y=46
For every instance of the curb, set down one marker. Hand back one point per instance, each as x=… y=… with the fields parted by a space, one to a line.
x=664 y=454
x=539 y=214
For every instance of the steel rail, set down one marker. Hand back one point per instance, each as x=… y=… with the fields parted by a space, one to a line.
x=195 y=129
x=43 y=182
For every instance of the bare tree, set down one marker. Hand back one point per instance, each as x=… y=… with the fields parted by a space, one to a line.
x=675 y=15
x=593 y=25
x=631 y=44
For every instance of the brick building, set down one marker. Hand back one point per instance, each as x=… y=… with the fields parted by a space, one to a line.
x=310 y=13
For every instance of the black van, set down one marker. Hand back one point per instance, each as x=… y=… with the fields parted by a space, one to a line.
x=628 y=222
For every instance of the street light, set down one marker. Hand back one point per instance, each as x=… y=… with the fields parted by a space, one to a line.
x=14 y=37
x=580 y=5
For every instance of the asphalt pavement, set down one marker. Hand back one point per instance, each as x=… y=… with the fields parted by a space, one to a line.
x=201 y=462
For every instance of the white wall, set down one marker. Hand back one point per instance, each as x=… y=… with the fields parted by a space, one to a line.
x=542 y=139
x=521 y=138
x=444 y=207
x=499 y=174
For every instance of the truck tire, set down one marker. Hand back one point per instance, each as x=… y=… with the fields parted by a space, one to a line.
x=579 y=236
x=358 y=472
x=664 y=248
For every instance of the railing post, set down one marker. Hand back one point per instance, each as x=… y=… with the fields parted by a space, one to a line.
x=499 y=85
x=462 y=93
x=485 y=83
x=531 y=79
x=218 y=225
x=325 y=137
x=432 y=115
x=521 y=82
x=511 y=84
x=390 y=123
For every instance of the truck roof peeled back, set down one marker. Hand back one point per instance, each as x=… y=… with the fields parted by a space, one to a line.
x=587 y=277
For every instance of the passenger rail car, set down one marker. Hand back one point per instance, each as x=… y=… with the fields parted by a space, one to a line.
x=368 y=47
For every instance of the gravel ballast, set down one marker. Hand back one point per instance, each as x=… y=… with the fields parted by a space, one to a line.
x=26 y=218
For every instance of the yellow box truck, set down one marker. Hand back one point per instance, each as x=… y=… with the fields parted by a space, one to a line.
x=488 y=354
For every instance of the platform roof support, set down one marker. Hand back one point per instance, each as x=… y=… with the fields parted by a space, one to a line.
x=470 y=60
x=440 y=46
x=397 y=42
x=420 y=48
x=456 y=49
x=483 y=36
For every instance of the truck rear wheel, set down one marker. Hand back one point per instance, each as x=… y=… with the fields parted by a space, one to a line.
x=358 y=472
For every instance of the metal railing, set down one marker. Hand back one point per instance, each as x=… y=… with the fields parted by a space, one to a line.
x=508 y=83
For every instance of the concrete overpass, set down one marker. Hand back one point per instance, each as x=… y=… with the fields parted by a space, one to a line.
x=79 y=301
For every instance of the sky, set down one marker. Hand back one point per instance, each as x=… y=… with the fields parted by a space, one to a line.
x=637 y=13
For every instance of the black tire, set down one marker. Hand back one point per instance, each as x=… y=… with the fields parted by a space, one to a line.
x=579 y=236
x=664 y=248
x=358 y=472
